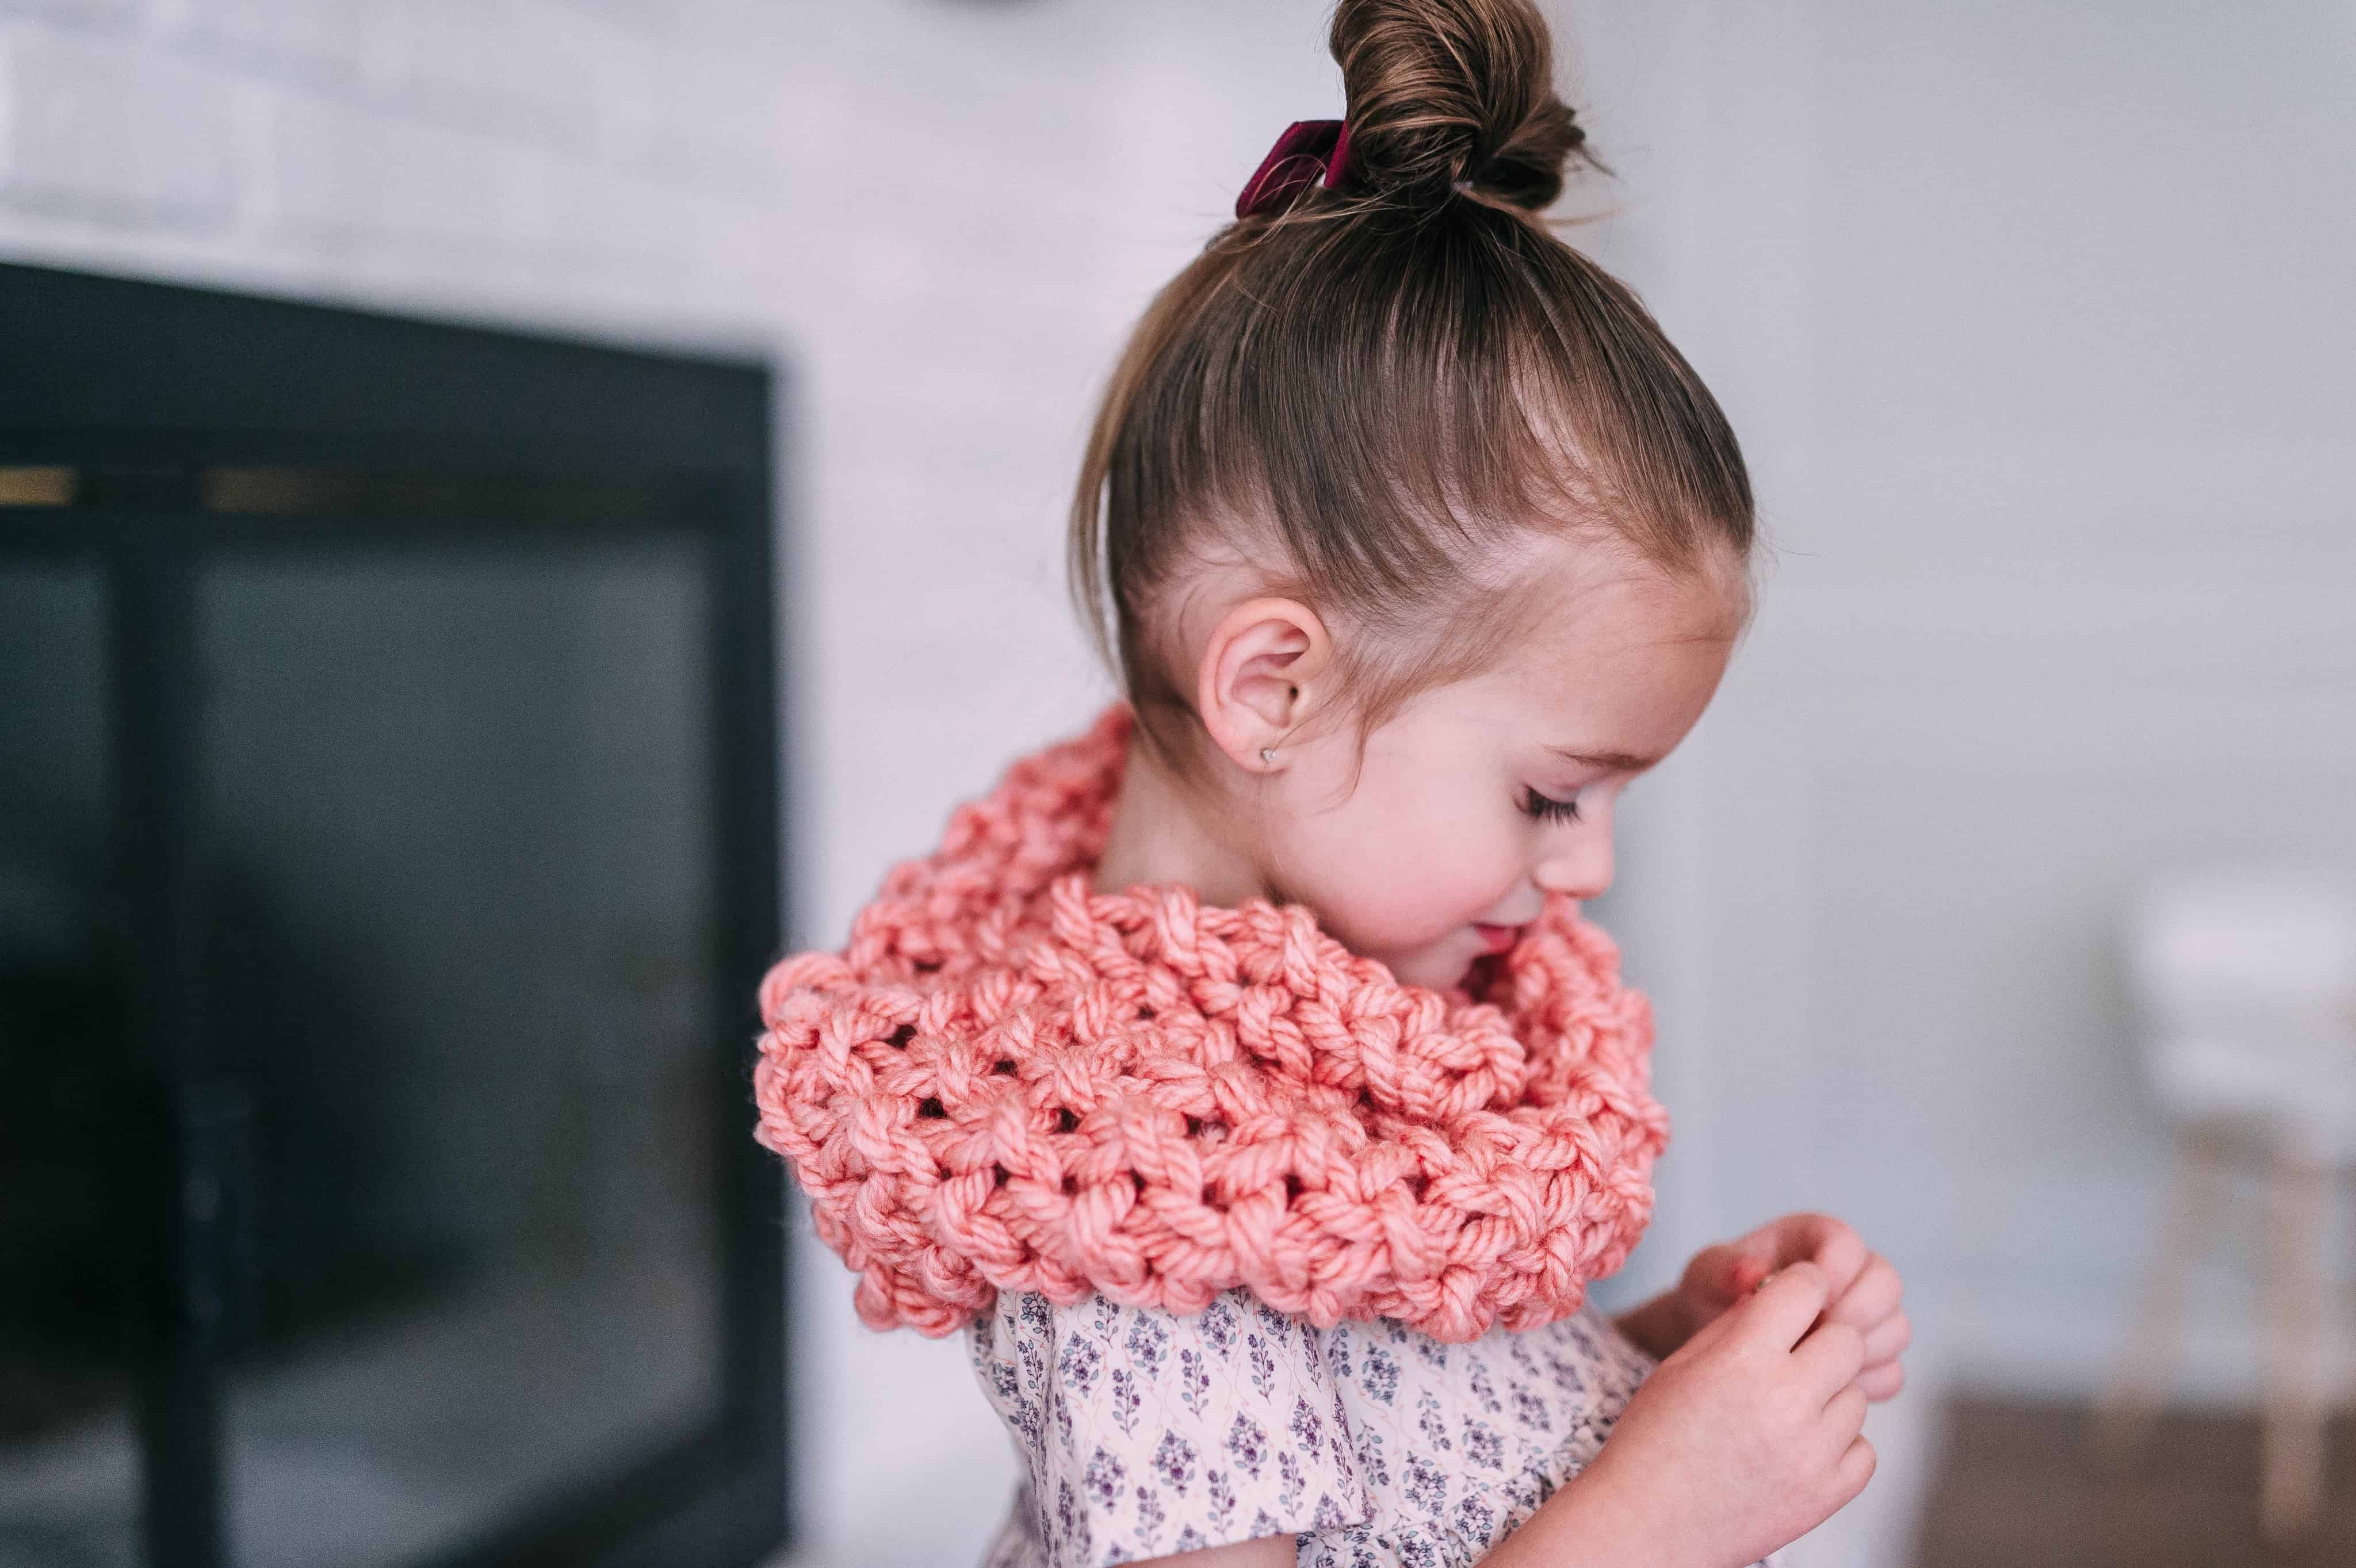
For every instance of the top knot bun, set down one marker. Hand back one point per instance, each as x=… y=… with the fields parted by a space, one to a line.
x=1446 y=94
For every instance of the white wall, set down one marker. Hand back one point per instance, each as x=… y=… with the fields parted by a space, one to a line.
x=620 y=163
x=2039 y=323
x=2034 y=318
x=940 y=215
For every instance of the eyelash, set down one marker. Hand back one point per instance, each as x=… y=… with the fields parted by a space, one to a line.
x=1546 y=808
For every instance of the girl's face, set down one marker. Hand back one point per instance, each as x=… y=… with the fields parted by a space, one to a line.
x=1478 y=800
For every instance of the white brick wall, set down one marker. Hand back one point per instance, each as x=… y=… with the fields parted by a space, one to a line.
x=939 y=215
x=619 y=166
x=100 y=127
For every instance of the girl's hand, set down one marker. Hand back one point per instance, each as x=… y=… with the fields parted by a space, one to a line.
x=1743 y=1440
x=1866 y=1290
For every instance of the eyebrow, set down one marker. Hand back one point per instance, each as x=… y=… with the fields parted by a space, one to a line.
x=1608 y=761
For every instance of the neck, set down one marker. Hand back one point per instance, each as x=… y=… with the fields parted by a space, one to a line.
x=1161 y=832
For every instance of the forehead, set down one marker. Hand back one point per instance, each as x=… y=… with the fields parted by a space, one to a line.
x=1586 y=599
x=1605 y=634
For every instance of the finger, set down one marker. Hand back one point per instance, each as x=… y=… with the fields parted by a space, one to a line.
x=1830 y=1357
x=1855 y=1468
x=1834 y=1246
x=1780 y=1311
x=1873 y=1295
x=1844 y=1417
x=1710 y=1275
x=1723 y=1273
x=1717 y=1324
x=1882 y=1381
x=1888 y=1340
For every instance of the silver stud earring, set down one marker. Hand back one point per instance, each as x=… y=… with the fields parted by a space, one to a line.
x=1268 y=753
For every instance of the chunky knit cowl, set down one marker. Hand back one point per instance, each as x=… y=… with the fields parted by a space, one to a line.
x=1008 y=1081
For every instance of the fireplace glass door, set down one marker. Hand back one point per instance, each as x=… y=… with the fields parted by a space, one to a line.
x=386 y=872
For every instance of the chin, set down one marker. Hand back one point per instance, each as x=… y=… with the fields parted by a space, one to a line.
x=1436 y=968
x=1436 y=964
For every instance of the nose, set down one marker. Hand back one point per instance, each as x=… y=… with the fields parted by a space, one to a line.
x=1578 y=857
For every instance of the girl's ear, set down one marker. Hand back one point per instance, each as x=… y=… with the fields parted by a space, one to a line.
x=1262 y=671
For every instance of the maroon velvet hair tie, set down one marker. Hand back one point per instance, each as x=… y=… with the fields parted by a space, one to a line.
x=1307 y=149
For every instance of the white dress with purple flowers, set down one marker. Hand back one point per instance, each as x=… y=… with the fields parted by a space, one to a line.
x=1143 y=1433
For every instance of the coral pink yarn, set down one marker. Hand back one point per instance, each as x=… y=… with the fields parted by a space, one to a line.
x=1009 y=1081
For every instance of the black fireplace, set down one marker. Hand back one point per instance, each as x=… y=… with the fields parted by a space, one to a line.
x=388 y=858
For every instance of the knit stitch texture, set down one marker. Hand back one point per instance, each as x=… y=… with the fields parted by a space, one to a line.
x=1009 y=1081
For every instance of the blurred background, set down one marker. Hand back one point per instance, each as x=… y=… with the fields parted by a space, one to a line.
x=2037 y=322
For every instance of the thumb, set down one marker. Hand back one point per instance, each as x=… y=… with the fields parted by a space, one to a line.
x=1725 y=1273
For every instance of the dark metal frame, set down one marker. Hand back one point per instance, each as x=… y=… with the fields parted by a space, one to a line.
x=179 y=420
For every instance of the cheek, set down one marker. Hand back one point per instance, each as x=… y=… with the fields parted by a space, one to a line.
x=1396 y=874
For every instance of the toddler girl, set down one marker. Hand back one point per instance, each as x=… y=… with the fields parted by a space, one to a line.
x=1237 y=1074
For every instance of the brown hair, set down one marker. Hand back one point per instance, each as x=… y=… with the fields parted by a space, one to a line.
x=1369 y=390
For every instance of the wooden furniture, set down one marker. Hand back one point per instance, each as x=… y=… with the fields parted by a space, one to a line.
x=2245 y=978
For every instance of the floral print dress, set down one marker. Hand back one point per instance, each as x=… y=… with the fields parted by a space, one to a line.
x=1143 y=1433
